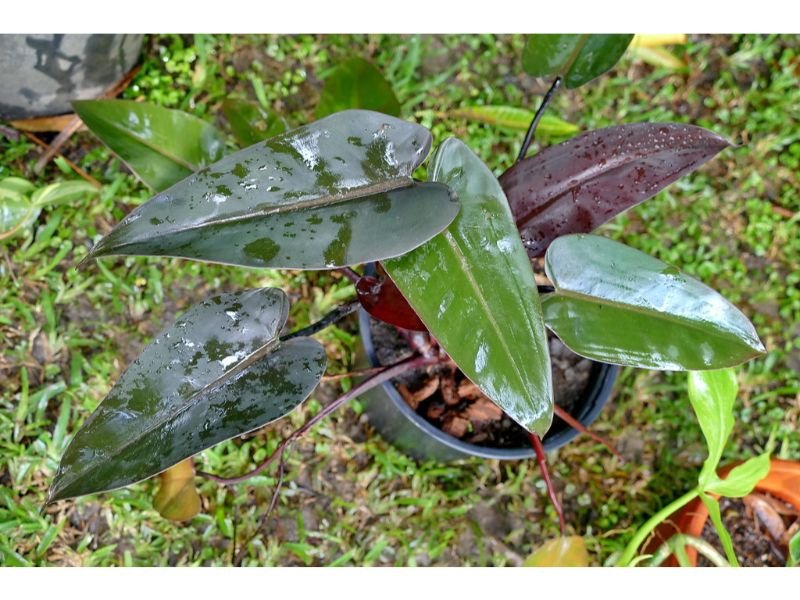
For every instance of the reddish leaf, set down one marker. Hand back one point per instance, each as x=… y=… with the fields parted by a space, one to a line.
x=381 y=299
x=578 y=185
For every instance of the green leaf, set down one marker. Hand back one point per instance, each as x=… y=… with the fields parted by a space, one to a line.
x=560 y=552
x=617 y=305
x=794 y=551
x=62 y=192
x=250 y=123
x=742 y=479
x=16 y=212
x=473 y=288
x=336 y=192
x=577 y=58
x=712 y=394
x=357 y=83
x=716 y=518
x=516 y=118
x=160 y=145
x=218 y=372
x=17 y=185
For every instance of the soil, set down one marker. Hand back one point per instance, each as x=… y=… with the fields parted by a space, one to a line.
x=752 y=541
x=451 y=402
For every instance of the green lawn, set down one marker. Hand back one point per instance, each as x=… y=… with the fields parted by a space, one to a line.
x=350 y=498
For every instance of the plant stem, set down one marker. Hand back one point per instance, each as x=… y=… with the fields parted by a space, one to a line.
x=337 y=314
x=350 y=274
x=653 y=522
x=541 y=458
x=388 y=373
x=537 y=117
x=575 y=424
x=680 y=541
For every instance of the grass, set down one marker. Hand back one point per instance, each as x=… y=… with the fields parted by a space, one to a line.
x=349 y=497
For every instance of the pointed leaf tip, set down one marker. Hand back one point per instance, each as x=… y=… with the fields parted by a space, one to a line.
x=576 y=186
x=333 y=193
x=218 y=372
x=618 y=305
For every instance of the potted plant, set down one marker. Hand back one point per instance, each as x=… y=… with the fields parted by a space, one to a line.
x=340 y=192
x=675 y=534
x=782 y=482
x=678 y=532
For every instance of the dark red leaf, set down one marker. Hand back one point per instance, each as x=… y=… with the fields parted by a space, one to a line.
x=381 y=299
x=578 y=185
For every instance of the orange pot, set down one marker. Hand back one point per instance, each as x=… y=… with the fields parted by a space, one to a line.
x=782 y=481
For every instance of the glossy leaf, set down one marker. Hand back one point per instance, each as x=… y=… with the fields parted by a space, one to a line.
x=516 y=118
x=712 y=395
x=18 y=210
x=334 y=193
x=577 y=58
x=177 y=498
x=218 y=372
x=250 y=123
x=17 y=185
x=618 y=305
x=381 y=299
x=560 y=552
x=357 y=83
x=473 y=288
x=62 y=192
x=576 y=186
x=160 y=145
x=742 y=479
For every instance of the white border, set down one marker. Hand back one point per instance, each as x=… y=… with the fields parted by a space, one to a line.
x=400 y=16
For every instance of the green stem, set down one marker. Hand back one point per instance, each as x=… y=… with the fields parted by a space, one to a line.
x=677 y=545
x=653 y=522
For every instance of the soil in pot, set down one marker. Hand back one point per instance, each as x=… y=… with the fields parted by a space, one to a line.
x=452 y=403
x=758 y=525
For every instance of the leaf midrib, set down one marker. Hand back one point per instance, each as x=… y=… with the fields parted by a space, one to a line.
x=149 y=145
x=364 y=192
x=596 y=171
x=663 y=316
x=188 y=403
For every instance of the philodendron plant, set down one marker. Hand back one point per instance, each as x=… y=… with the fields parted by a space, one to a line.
x=340 y=192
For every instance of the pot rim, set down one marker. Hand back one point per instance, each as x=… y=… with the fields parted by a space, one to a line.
x=600 y=385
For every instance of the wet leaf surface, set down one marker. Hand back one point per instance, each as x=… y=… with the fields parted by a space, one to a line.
x=381 y=299
x=618 y=305
x=473 y=288
x=217 y=373
x=576 y=186
x=250 y=123
x=334 y=193
x=160 y=145
x=357 y=83
x=578 y=58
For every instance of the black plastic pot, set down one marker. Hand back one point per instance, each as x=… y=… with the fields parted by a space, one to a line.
x=398 y=423
x=42 y=74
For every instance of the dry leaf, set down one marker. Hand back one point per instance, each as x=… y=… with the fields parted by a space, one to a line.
x=177 y=498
